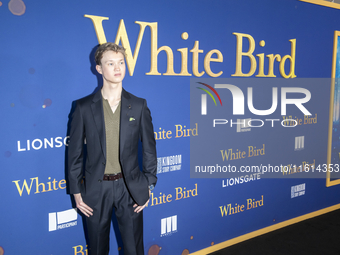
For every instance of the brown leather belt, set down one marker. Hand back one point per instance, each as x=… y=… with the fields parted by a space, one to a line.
x=112 y=177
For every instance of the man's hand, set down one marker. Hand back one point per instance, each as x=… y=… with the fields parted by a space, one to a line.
x=139 y=208
x=84 y=208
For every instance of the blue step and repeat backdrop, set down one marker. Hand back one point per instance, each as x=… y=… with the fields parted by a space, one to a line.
x=245 y=105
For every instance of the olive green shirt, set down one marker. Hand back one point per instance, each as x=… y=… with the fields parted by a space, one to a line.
x=112 y=123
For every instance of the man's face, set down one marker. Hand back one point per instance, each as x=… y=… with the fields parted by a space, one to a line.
x=112 y=67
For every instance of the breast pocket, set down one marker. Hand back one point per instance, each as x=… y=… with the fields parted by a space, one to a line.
x=132 y=121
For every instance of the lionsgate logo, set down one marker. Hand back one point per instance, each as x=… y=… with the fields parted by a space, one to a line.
x=61 y=220
x=290 y=96
x=169 y=226
x=44 y=143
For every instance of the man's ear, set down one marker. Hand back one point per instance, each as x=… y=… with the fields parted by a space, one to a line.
x=99 y=69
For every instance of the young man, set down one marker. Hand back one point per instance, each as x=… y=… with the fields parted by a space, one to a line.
x=111 y=122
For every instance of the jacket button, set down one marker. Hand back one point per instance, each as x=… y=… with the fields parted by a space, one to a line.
x=99 y=180
x=103 y=163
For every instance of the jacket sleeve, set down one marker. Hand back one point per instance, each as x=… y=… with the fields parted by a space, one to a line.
x=75 y=151
x=149 y=146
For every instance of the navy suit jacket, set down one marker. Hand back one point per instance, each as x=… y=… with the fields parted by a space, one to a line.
x=87 y=126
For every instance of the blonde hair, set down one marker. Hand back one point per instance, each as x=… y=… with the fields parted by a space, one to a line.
x=107 y=47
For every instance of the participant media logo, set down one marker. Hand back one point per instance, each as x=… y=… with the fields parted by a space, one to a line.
x=63 y=219
x=243 y=125
x=299 y=143
x=168 y=225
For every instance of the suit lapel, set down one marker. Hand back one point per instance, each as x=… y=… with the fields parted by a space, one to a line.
x=125 y=112
x=98 y=116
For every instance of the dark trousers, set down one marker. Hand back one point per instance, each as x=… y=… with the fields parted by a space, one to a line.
x=115 y=196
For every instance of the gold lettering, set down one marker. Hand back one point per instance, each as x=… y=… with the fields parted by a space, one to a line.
x=79 y=250
x=261 y=65
x=225 y=154
x=51 y=185
x=195 y=51
x=194 y=191
x=20 y=190
x=260 y=202
x=123 y=37
x=240 y=54
x=224 y=211
x=184 y=64
x=249 y=204
x=168 y=198
x=168 y=134
x=54 y=184
x=62 y=182
x=184 y=55
x=162 y=134
x=209 y=59
x=272 y=58
x=231 y=209
x=179 y=192
x=153 y=199
x=38 y=185
x=291 y=58
x=179 y=132
x=155 y=51
x=98 y=27
x=194 y=131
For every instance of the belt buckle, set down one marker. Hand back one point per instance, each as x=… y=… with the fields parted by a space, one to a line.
x=117 y=177
x=107 y=177
x=112 y=177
